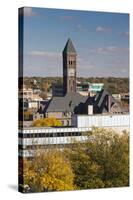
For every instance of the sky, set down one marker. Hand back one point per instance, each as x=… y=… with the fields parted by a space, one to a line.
x=101 y=40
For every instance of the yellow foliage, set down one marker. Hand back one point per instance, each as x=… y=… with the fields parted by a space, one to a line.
x=51 y=121
x=27 y=114
x=102 y=161
x=49 y=171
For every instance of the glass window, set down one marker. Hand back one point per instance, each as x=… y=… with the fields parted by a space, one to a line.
x=58 y=134
x=50 y=134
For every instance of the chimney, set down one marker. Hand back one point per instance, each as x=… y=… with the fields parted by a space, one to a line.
x=90 y=109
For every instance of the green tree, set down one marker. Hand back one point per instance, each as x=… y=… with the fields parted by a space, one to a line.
x=87 y=172
x=110 y=151
x=102 y=161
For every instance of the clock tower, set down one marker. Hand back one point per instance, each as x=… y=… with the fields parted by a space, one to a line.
x=69 y=68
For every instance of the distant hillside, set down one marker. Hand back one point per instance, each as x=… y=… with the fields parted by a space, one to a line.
x=113 y=85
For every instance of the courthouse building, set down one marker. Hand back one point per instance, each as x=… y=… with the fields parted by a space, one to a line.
x=72 y=102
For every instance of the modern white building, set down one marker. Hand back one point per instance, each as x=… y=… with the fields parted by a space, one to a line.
x=95 y=87
x=51 y=137
x=103 y=121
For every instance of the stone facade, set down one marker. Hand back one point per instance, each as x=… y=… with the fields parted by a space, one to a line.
x=69 y=68
x=64 y=117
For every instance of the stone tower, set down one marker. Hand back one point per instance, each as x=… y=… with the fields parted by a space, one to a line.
x=69 y=68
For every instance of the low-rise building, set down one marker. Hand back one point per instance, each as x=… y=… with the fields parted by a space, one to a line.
x=117 y=97
x=34 y=138
x=28 y=94
x=64 y=107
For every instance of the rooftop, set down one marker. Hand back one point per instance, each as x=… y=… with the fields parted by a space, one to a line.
x=69 y=48
x=68 y=103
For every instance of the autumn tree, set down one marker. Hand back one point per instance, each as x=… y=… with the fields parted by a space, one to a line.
x=110 y=151
x=43 y=95
x=49 y=171
x=101 y=161
x=44 y=86
x=87 y=172
x=112 y=84
x=51 y=121
x=27 y=114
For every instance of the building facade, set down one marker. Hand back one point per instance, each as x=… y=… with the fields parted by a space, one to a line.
x=46 y=138
x=28 y=94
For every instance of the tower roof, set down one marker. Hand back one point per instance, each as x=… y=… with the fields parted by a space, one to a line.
x=69 y=48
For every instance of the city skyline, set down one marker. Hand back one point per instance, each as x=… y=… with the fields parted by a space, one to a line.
x=101 y=40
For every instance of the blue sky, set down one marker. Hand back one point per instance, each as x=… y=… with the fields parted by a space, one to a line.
x=101 y=40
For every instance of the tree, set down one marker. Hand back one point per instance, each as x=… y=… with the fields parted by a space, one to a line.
x=110 y=151
x=86 y=171
x=49 y=171
x=43 y=95
x=102 y=161
x=27 y=114
x=44 y=86
x=51 y=121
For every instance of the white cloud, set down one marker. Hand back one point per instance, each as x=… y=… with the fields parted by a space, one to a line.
x=45 y=54
x=103 y=29
x=81 y=28
x=125 y=33
x=109 y=49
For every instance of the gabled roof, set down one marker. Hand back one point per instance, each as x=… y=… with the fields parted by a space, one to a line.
x=69 y=48
x=100 y=102
x=68 y=103
x=76 y=103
